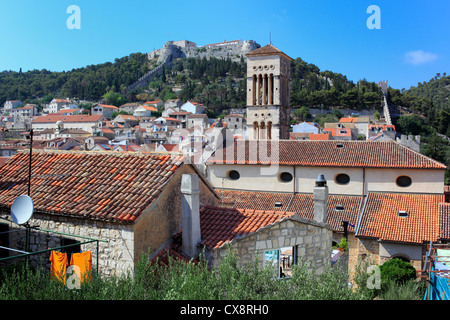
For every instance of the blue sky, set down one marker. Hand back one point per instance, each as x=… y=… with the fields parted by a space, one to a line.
x=410 y=47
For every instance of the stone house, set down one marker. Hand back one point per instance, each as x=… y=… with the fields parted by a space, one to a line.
x=197 y=120
x=56 y=105
x=277 y=238
x=396 y=225
x=104 y=109
x=174 y=103
x=129 y=201
x=235 y=122
x=9 y=105
x=129 y=107
x=144 y=111
x=87 y=123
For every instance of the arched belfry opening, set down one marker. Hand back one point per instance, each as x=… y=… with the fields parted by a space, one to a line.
x=268 y=72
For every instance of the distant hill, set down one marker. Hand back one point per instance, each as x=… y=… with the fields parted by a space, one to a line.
x=436 y=89
x=219 y=82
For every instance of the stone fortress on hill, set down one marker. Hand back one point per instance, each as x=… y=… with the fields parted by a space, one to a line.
x=235 y=50
x=187 y=49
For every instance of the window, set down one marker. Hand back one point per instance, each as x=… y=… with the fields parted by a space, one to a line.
x=339 y=208
x=403 y=214
x=234 y=175
x=404 y=181
x=75 y=247
x=286 y=177
x=342 y=178
x=282 y=260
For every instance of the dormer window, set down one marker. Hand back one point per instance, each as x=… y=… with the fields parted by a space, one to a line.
x=403 y=213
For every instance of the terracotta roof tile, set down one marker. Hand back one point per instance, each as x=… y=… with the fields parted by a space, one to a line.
x=444 y=221
x=382 y=218
x=268 y=49
x=359 y=154
x=88 y=189
x=222 y=225
x=340 y=208
x=74 y=118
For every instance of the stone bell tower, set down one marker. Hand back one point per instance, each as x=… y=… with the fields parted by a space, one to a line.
x=268 y=71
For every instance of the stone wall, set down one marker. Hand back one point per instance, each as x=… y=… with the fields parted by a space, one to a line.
x=115 y=255
x=312 y=239
x=122 y=243
x=377 y=253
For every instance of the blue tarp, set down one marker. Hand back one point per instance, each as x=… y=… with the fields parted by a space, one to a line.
x=439 y=287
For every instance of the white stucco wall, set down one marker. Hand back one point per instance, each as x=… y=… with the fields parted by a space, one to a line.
x=266 y=178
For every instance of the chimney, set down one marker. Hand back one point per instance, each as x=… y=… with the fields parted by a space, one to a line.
x=320 y=197
x=190 y=214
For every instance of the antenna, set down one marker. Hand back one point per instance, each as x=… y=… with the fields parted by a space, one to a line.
x=270 y=37
x=22 y=209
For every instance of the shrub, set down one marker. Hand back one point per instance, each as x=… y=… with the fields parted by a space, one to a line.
x=398 y=271
x=410 y=290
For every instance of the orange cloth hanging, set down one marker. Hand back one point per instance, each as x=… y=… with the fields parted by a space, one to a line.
x=84 y=261
x=59 y=265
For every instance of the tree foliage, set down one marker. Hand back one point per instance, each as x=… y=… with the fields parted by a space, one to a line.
x=89 y=83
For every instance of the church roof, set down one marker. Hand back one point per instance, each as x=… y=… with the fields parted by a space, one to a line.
x=324 y=153
x=267 y=50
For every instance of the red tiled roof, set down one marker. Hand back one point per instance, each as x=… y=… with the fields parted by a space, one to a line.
x=171 y=119
x=356 y=154
x=381 y=218
x=108 y=106
x=149 y=108
x=221 y=225
x=152 y=102
x=340 y=208
x=98 y=185
x=62 y=111
x=267 y=50
x=319 y=136
x=74 y=118
x=444 y=221
x=339 y=132
x=347 y=120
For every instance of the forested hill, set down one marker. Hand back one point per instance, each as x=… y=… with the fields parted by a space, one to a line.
x=436 y=89
x=90 y=82
x=429 y=100
x=218 y=82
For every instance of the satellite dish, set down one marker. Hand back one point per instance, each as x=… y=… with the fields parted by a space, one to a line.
x=22 y=209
